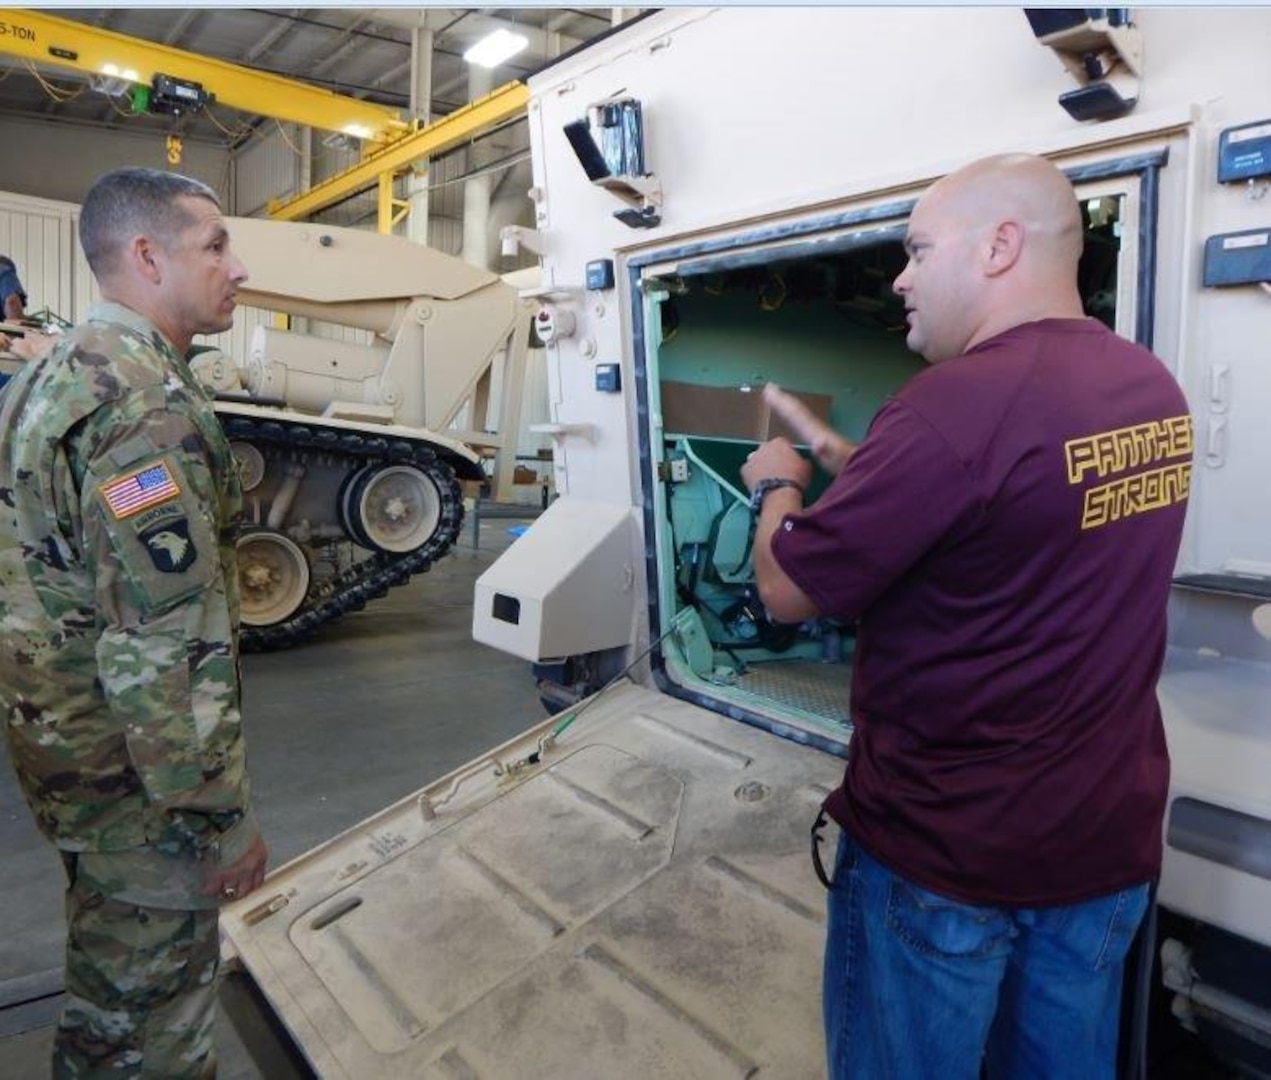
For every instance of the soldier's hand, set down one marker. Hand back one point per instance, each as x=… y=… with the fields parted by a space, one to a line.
x=234 y=882
x=33 y=345
x=829 y=448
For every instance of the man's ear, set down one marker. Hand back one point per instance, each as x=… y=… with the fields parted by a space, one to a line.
x=143 y=254
x=1006 y=241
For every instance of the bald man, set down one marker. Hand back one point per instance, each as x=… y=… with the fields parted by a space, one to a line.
x=1004 y=538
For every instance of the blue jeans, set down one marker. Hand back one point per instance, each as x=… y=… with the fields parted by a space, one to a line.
x=918 y=985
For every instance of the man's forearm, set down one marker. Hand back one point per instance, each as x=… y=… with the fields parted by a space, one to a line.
x=782 y=598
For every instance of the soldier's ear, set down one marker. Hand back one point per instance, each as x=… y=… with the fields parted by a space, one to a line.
x=143 y=255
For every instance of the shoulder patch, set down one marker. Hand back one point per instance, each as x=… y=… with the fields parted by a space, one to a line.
x=132 y=451
x=169 y=545
x=132 y=493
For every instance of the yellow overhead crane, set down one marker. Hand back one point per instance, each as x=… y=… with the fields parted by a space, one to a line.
x=392 y=142
x=383 y=161
x=46 y=39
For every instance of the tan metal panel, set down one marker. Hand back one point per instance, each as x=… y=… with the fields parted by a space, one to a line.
x=638 y=902
x=327 y=264
x=235 y=341
x=335 y=332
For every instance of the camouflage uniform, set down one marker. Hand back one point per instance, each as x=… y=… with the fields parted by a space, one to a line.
x=119 y=679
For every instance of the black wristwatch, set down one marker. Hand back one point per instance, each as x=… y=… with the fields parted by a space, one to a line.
x=770 y=484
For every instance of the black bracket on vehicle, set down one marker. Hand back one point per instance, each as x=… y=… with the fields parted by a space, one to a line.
x=609 y=145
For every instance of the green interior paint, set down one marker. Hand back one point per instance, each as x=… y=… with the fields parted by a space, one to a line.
x=729 y=340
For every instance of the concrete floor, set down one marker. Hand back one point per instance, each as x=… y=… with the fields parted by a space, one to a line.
x=374 y=707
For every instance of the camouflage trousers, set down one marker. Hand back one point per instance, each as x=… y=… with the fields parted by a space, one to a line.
x=140 y=989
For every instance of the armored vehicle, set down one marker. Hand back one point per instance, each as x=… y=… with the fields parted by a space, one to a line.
x=720 y=199
x=349 y=454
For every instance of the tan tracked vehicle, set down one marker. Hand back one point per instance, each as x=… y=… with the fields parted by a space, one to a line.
x=351 y=460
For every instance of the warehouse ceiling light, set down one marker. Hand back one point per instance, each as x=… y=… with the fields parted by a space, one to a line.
x=112 y=71
x=493 y=49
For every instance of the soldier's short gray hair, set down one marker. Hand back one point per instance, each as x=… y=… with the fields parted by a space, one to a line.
x=131 y=202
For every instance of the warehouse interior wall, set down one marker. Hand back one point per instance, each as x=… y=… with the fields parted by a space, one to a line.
x=270 y=165
x=58 y=161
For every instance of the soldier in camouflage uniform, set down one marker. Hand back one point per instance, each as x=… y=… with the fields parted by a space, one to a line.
x=118 y=616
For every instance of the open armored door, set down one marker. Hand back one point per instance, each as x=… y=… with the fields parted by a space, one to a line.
x=637 y=903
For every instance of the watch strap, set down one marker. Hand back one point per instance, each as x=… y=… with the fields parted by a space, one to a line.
x=771 y=484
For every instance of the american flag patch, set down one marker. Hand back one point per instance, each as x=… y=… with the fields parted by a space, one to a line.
x=133 y=493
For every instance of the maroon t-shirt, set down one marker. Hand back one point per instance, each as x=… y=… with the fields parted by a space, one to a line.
x=1006 y=535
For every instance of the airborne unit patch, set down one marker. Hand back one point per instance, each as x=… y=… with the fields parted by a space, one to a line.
x=128 y=495
x=169 y=545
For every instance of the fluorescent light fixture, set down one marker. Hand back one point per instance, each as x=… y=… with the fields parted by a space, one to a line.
x=493 y=49
x=112 y=71
x=358 y=131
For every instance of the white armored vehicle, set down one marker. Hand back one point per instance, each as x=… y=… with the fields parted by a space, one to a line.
x=721 y=197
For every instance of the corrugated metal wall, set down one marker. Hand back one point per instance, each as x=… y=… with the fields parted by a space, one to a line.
x=445 y=203
x=40 y=235
x=266 y=168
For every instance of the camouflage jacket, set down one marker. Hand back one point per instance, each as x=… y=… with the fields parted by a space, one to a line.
x=119 y=599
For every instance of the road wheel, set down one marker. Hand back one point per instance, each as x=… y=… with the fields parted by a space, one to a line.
x=395 y=508
x=273 y=577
